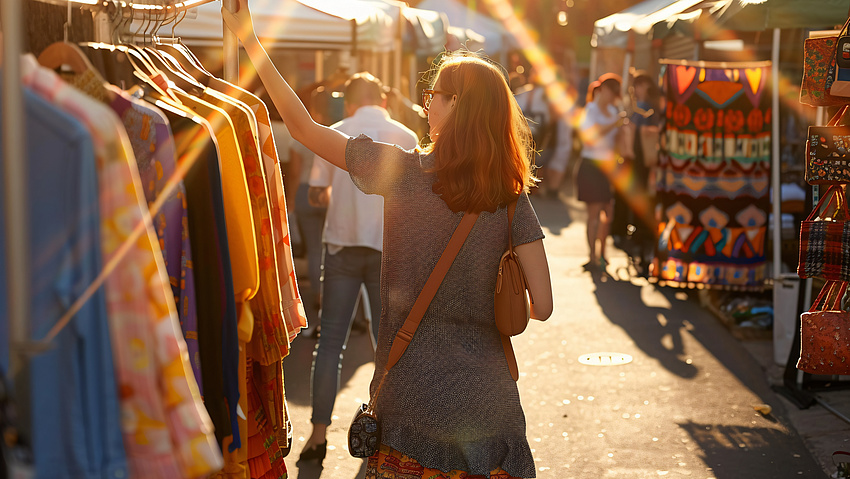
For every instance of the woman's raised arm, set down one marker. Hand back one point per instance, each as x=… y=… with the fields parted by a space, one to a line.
x=321 y=140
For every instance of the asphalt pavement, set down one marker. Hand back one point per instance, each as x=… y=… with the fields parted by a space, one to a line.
x=625 y=380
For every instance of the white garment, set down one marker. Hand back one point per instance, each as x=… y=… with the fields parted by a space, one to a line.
x=563 y=147
x=282 y=140
x=594 y=146
x=306 y=161
x=355 y=218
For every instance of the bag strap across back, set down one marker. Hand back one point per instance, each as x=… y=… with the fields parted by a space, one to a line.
x=408 y=329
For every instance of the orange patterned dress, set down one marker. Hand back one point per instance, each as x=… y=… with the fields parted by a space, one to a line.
x=388 y=463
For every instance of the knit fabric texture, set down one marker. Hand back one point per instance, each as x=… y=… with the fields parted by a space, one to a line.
x=450 y=402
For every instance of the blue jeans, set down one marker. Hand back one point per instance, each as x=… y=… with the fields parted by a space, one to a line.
x=311 y=223
x=344 y=273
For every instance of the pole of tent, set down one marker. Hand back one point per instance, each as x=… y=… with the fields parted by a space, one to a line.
x=775 y=163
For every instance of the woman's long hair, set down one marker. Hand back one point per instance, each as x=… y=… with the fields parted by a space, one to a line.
x=483 y=152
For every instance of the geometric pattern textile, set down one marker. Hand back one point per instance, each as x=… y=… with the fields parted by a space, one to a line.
x=713 y=179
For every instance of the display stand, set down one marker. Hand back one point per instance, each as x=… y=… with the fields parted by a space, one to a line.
x=797 y=386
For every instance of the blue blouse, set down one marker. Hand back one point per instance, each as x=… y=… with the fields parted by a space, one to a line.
x=73 y=395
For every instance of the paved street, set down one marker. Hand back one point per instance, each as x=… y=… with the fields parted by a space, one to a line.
x=682 y=408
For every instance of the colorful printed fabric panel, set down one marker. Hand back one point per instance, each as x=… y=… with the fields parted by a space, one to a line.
x=388 y=463
x=266 y=305
x=153 y=146
x=167 y=432
x=293 y=308
x=714 y=178
x=265 y=457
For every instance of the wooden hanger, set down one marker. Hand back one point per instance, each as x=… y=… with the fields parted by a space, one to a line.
x=64 y=54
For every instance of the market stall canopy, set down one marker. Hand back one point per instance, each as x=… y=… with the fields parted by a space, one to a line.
x=613 y=30
x=375 y=28
x=497 y=38
x=464 y=36
x=755 y=15
x=299 y=24
x=425 y=31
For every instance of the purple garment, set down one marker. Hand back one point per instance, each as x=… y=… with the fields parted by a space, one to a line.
x=153 y=145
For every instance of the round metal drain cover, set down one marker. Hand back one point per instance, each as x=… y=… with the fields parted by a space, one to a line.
x=604 y=359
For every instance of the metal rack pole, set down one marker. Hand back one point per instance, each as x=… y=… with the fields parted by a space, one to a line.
x=231 y=48
x=15 y=184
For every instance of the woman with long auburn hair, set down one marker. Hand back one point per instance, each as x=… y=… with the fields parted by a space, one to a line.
x=449 y=406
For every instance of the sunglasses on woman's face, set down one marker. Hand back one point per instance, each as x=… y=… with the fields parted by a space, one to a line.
x=428 y=95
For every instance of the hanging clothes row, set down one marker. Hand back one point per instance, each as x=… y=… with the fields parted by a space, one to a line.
x=160 y=181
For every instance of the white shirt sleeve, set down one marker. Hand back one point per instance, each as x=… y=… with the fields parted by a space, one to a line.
x=591 y=117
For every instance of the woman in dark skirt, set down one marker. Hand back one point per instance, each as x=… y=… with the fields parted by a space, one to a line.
x=598 y=131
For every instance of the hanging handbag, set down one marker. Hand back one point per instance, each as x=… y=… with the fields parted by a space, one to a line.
x=364 y=435
x=512 y=296
x=512 y=299
x=824 y=333
x=819 y=71
x=822 y=239
x=828 y=152
x=841 y=64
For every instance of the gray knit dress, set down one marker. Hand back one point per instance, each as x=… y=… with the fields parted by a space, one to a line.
x=450 y=403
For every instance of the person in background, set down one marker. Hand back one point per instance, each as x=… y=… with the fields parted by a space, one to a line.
x=353 y=242
x=598 y=130
x=560 y=147
x=646 y=123
x=310 y=218
x=542 y=119
x=450 y=405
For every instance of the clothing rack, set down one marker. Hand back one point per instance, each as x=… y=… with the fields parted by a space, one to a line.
x=14 y=151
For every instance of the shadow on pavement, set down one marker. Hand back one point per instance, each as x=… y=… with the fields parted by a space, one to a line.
x=732 y=452
x=622 y=304
x=647 y=326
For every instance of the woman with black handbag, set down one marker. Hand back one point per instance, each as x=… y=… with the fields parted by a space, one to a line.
x=450 y=405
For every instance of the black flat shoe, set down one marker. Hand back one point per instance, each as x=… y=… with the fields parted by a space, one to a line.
x=317 y=452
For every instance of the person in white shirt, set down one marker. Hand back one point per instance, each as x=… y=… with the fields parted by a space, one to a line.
x=551 y=132
x=598 y=130
x=353 y=239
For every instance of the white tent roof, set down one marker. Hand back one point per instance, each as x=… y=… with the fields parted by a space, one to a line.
x=427 y=31
x=497 y=38
x=307 y=24
x=375 y=27
x=613 y=30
